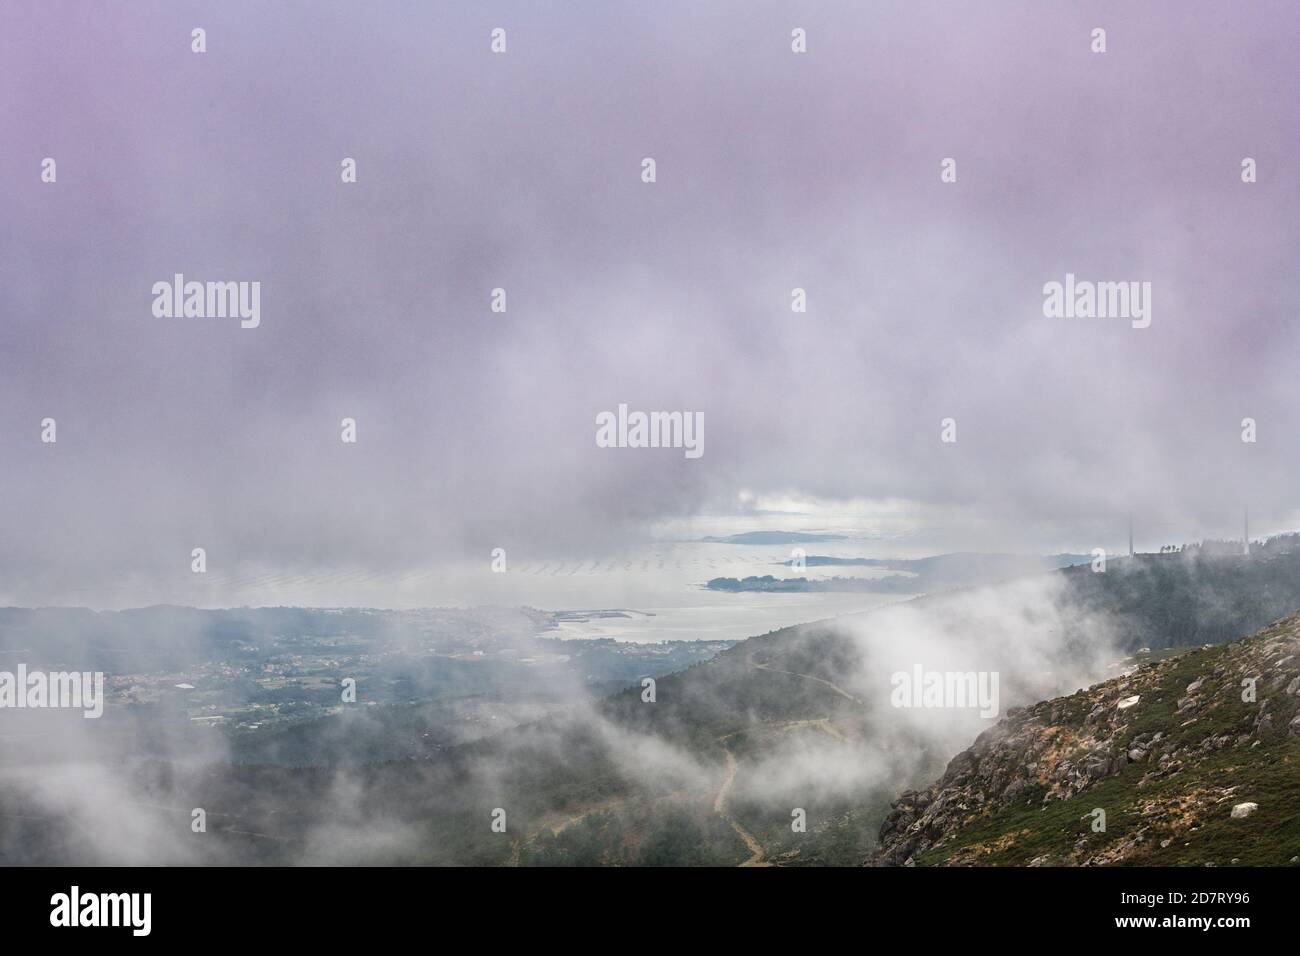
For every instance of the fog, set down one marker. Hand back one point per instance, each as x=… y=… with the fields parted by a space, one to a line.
x=521 y=171
x=121 y=793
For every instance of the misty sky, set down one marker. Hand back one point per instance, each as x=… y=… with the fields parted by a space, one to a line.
x=522 y=171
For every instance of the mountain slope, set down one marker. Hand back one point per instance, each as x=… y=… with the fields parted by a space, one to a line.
x=1166 y=752
x=798 y=719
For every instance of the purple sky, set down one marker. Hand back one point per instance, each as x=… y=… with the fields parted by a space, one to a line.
x=522 y=170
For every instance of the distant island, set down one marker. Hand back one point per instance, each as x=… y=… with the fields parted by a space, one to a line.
x=774 y=537
x=891 y=584
x=912 y=576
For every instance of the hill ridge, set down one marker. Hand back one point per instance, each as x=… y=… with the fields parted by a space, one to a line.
x=1164 y=752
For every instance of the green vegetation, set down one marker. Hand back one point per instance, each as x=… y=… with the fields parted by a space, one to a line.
x=1224 y=753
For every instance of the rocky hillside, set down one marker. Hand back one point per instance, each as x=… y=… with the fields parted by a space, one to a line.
x=1188 y=766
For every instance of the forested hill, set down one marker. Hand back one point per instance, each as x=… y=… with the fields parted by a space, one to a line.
x=711 y=771
x=1199 y=595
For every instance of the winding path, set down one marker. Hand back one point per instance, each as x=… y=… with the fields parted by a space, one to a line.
x=821 y=680
x=757 y=855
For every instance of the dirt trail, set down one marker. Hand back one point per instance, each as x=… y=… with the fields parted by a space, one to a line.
x=260 y=836
x=823 y=724
x=757 y=856
x=821 y=680
x=558 y=822
x=720 y=801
